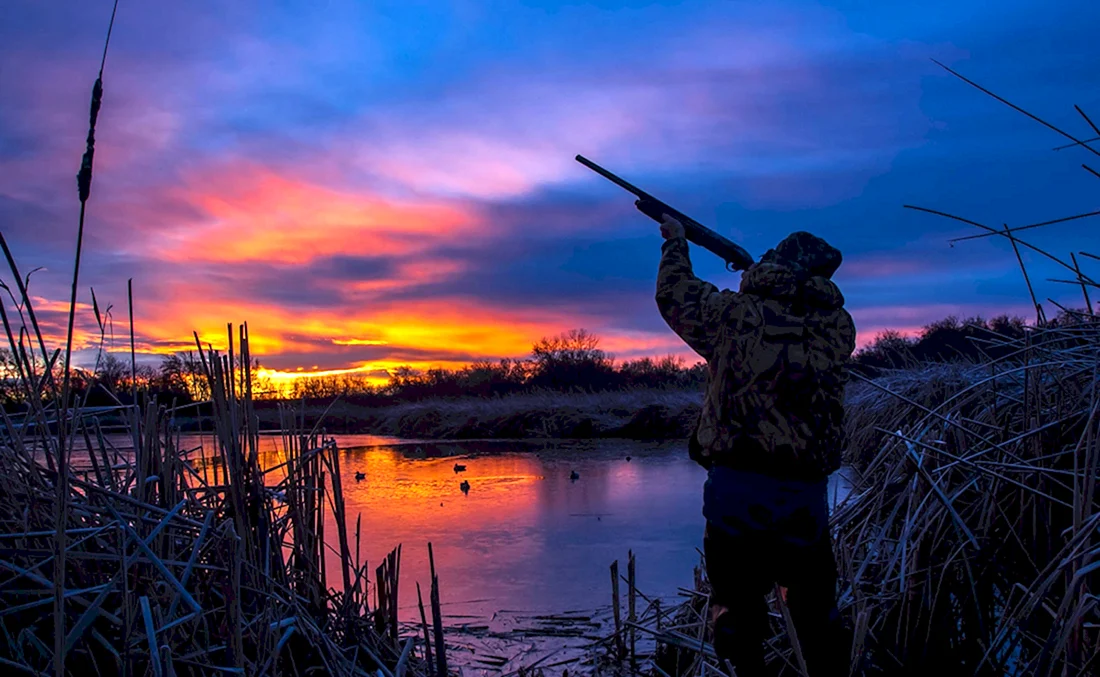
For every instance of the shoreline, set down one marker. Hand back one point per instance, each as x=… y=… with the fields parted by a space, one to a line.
x=643 y=415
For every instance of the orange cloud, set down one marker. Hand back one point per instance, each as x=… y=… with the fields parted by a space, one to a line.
x=451 y=330
x=250 y=213
x=358 y=342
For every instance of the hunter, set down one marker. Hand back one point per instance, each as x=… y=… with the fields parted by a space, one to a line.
x=770 y=433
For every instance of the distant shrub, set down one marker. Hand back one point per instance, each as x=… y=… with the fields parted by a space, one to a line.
x=953 y=340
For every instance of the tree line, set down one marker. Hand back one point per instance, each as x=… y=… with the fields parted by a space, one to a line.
x=571 y=361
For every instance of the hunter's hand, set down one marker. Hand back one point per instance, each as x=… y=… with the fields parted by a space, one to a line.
x=671 y=228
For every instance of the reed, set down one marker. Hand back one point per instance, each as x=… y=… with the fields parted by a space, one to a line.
x=167 y=572
x=970 y=542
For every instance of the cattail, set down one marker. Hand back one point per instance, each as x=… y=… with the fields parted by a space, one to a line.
x=84 y=176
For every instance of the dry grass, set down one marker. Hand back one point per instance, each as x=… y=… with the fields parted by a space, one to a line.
x=969 y=538
x=970 y=542
x=636 y=414
x=180 y=564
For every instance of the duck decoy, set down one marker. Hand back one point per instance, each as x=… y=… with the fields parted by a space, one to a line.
x=574 y=476
x=360 y=476
x=459 y=468
x=465 y=487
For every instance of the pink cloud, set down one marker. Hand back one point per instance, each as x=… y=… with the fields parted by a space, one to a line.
x=866 y=336
x=502 y=143
x=246 y=212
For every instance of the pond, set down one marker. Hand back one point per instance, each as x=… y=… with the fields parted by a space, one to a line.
x=526 y=537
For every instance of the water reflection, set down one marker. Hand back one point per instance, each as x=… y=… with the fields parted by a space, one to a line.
x=525 y=536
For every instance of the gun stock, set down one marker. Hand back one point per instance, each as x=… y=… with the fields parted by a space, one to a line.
x=736 y=257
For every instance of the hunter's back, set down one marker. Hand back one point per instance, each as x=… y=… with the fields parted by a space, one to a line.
x=776 y=352
x=775 y=400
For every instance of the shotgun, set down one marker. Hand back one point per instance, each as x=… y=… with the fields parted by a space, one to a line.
x=736 y=258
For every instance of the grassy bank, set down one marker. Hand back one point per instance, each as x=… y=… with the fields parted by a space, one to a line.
x=631 y=414
x=639 y=414
x=636 y=414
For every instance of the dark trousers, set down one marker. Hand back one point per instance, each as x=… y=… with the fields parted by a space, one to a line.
x=762 y=541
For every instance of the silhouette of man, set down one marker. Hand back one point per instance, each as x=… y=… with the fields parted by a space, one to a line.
x=770 y=432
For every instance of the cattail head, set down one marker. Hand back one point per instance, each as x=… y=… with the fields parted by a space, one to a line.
x=84 y=176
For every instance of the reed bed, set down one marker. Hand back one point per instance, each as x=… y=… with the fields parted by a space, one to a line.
x=176 y=562
x=970 y=541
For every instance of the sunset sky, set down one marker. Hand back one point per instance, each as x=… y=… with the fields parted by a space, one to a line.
x=379 y=183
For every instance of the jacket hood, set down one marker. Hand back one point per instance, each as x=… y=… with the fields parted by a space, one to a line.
x=787 y=283
x=806 y=252
x=797 y=271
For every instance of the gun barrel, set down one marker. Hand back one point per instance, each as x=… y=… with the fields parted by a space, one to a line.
x=614 y=179
x=735 y=256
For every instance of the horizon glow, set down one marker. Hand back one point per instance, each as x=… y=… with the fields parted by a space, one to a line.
x=394 y=184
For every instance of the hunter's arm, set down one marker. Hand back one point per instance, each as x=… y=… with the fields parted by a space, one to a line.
x=692 y=307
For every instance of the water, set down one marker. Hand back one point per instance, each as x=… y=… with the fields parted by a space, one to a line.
x=525 y=538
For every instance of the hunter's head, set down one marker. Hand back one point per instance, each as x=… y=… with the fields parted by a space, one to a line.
x=806 y=252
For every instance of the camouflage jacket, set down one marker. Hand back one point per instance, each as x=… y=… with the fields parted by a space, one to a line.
x=776 y=353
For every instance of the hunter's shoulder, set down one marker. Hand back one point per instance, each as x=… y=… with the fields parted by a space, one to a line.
x=821 y=294
x=739 y=309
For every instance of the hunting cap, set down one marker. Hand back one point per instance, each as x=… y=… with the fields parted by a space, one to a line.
x=808 y=252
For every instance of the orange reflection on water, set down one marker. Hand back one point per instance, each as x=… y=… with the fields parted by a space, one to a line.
x=525 y=536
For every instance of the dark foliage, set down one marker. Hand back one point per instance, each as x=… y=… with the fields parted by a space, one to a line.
x=949 y=340
x=569 y=362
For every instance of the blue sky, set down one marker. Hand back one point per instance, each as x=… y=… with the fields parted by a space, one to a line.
x=372 y=184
